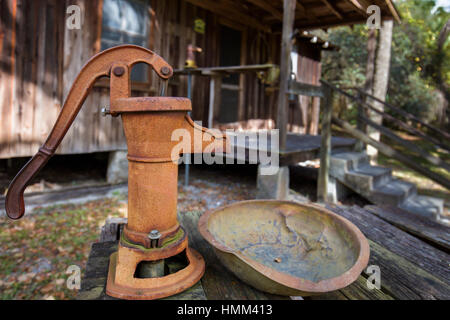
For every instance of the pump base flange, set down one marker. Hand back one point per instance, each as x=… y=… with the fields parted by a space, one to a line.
x=156 y=288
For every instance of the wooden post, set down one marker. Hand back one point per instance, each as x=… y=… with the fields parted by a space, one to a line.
x=214 y=97
x=286 y=48
x=325 y=148
x=360 y=146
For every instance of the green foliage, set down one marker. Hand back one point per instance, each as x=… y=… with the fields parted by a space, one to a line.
x=418 y=68
x=347 y=65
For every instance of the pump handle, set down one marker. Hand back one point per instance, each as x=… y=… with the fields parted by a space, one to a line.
x=98 y=66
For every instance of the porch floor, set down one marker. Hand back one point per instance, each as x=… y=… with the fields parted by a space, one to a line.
x=299 y=147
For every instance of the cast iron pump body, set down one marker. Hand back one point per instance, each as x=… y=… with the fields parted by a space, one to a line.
x=152 y=232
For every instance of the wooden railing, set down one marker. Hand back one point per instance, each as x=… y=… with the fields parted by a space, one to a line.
x=439 y=139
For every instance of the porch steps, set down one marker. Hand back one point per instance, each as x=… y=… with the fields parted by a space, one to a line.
x=376 y=184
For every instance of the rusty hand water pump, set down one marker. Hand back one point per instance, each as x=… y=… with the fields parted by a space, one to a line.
x=152 y=233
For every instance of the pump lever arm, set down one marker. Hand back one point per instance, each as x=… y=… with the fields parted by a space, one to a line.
x=98 y=66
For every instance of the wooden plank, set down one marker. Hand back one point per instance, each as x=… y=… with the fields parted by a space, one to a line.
x=267 y=6
x=112 y=229
x=359 y=7
x=421 y=227
x=286 y=48
x=315 y=112
x=25 y=76
x=325 y=148
x=256 y=103
x=230 y=11
x=242 y=77
x=333 y=9
x=304 y=13
x=226 y=69
x=305 y=89
x=358 y=290
x=326 y=23
x=389 y=235
x=334 y=295
x=8 y=23
x=360 y=125
x=403 y=279
x=214 y=97
x=304 y=101
x=183 y=47
x=98 y=30
x=393 y=10
x=406 y=263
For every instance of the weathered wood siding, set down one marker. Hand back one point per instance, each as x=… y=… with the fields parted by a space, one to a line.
x=40 y=58
x=304 y=113
x=30 y=80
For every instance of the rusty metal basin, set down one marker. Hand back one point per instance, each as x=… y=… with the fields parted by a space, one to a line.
x=286 y=248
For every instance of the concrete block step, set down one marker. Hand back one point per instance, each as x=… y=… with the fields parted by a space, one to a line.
x=341 y=163
x=425 y=206
x=393 y=192
x=365 y=178
x=378 y=175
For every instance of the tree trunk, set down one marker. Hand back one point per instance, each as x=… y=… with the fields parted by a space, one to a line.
x=368 y=85
x=370 y=67
x=381 y=80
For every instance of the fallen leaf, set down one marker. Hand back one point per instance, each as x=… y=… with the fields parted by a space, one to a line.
x=25 y=277
x=49 y=287
x=60 y=282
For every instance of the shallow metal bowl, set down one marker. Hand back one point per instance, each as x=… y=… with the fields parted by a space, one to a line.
x=286 y=248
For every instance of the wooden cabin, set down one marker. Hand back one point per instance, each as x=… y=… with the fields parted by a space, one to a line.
x=41 y=56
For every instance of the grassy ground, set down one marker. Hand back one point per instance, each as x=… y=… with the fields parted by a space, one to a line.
x=36 y=251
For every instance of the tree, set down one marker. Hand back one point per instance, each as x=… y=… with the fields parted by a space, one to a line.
x=419 y=69
x=381 y=81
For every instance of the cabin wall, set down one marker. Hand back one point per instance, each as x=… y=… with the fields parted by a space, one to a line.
x=304 y=111
x=31 y=36
x=40 y=58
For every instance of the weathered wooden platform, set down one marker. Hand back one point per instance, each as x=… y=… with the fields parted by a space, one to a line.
x=299 y=147
x=410 y=267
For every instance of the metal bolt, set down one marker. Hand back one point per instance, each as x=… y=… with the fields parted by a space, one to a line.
x=105 y=111
x=119 y=71
x=165 y=70
x=154 y=236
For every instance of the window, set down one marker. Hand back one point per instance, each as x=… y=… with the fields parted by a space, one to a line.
x=126 y=22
